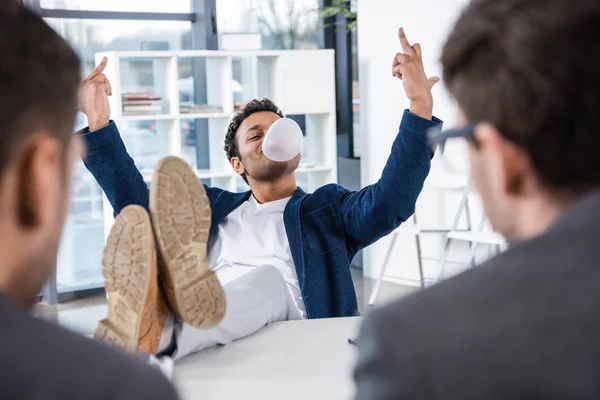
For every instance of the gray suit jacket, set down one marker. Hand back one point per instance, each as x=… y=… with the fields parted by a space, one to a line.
x=41 y=361
x=524 y=325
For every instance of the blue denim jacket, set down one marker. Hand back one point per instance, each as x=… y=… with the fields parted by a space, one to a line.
x=325 y=229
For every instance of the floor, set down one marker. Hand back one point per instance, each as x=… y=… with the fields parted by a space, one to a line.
x=83 y=315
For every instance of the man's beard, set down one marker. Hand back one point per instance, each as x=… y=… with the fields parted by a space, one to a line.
x=271 y=171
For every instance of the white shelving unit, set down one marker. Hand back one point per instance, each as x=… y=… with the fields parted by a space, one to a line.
x=300 y=82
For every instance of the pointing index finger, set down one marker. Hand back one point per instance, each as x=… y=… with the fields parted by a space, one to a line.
x=100 y=68
x=406 y=47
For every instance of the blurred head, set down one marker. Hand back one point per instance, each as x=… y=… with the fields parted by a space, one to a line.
x=243 y=144
x=527 y=72
x=39 y=78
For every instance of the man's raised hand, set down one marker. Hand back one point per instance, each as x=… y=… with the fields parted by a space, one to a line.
x=408 y=67
x=93 y=97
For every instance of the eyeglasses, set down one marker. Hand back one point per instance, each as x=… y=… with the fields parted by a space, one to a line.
x=438 y=138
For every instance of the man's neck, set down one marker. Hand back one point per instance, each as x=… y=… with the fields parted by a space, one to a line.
x=265 y=192
x=538 y=214
x=15 y=276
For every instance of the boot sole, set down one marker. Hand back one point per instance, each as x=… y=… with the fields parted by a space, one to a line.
x=127 y=265
x=181 y=217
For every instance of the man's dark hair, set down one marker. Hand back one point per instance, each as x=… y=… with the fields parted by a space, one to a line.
x=254 y=106
x=39 y=79
x=530 y=68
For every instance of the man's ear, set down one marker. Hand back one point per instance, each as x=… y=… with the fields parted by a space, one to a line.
x=237 y=165
x=38 y=171
x=509 y=162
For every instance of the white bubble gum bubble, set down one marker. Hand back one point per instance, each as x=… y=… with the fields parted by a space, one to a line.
x=283 y=140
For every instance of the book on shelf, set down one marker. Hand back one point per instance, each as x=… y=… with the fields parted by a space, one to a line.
x=140 y=103
x=155 y=107
x=141 y=99
x=139 y=95
x=187 y=108
x=137 y=113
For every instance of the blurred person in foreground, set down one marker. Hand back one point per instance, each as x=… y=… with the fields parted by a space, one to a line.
x=39 y=80
x=526 y=323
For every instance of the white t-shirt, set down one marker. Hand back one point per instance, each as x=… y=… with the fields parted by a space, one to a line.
x=252 y=236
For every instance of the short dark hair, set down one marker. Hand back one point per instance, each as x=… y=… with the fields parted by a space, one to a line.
x=39 y=79
x=254 y=106
x=530 y=68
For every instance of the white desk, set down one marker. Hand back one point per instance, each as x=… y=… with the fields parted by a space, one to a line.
x=286 y=360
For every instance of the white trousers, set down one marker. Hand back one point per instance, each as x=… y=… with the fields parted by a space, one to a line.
x=253 y=301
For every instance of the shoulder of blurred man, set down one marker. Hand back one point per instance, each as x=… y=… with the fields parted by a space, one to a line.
x=40 y=360
x=512 y=308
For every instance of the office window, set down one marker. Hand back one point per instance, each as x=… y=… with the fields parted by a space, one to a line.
x=89 y=37
x=290 y=24
x=171 y=6
x=80 y=254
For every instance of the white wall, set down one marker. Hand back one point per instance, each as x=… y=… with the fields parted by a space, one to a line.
x=382 y=103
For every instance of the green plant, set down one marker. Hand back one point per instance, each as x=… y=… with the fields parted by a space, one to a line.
x=340 y=7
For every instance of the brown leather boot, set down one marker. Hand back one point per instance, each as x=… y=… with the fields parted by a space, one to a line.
x=137 y=310
x=181 y=217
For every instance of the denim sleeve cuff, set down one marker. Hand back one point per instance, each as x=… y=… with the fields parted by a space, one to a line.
x=415 y=123
x=100 y=138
